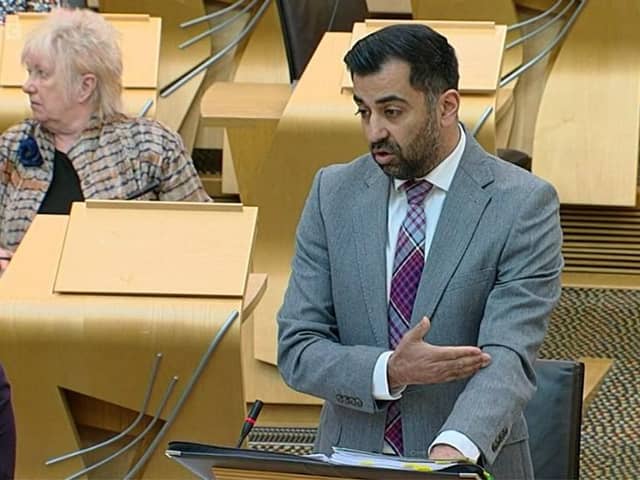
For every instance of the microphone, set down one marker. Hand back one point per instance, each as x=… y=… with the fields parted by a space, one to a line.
x=250 y=421
x=144 y=190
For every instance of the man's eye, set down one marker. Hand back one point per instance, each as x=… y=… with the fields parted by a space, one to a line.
x=392 y=112
x=363 y=112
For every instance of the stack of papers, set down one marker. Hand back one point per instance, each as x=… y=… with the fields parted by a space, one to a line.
x=358 y=458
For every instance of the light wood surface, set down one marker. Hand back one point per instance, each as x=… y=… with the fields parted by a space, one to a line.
x=600 y=280
x=530 y=85
x=502 y=12
x=242 y=104
x=586 y=137
x=595 y=370
x=290 y=415
x=127 y=235
x=380 y=7
x=263 y=59
x=174 y=62
x=479 y=47
x=250 y=112
x=601 y=240
x=76 y=361
x=256 y=286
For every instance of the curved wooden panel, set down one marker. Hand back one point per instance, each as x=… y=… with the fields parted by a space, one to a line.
x=174 y=62
x=586 y=138
x=102 y=348
x=317 y=128
x=263 y=60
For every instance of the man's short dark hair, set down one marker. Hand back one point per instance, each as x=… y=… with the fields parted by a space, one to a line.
x=433 y=62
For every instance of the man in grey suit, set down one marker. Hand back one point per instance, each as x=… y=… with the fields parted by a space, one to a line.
x=424 y=273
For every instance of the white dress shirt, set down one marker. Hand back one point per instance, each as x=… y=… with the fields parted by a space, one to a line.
x=441 y=178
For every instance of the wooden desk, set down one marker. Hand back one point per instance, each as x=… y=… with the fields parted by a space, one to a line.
x=80 y=364
x=250 y=112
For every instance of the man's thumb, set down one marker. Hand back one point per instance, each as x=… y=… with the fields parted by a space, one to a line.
x=418 y=332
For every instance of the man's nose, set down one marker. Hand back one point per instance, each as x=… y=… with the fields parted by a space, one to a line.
x=376 y=130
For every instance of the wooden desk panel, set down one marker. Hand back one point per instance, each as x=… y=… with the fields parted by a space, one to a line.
x=102 y=347
x=586 y=136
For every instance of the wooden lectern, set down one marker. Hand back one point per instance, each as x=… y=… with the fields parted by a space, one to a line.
x=88 y=302
x=140 y=44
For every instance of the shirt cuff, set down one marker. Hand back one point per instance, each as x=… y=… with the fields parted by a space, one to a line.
x=459 y=441
x=380 y=382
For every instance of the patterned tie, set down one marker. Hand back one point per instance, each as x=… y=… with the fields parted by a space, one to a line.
x=407 y=269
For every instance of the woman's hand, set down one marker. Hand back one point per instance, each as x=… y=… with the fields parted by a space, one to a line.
x=5 y=258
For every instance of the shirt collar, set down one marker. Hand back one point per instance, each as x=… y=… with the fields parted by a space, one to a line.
x=442 y=175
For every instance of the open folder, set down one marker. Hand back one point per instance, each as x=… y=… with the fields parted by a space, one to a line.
x=204 y=460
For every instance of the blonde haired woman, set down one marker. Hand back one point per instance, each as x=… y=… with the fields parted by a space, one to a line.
x=78 y=143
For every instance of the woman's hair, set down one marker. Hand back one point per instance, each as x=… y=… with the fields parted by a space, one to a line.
x=80 y=42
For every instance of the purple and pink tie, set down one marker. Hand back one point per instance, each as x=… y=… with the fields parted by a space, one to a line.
x=407 y=270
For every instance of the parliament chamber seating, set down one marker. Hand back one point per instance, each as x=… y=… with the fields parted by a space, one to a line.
x=268 y=122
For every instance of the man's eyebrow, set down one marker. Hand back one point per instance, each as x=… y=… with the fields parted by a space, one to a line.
x=391 y=98
x=385 y=99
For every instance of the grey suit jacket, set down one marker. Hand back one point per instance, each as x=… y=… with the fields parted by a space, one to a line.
x=491 y=279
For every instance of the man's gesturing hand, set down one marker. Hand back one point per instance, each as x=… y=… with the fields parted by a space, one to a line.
x=415 y=361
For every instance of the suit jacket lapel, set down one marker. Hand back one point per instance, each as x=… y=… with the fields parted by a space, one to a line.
x=463 y=207
x=370 y=226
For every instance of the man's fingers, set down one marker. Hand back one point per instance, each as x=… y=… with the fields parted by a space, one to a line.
x=463 y=367
x=455 y=353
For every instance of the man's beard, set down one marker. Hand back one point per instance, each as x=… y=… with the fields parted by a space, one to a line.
x=419 y=157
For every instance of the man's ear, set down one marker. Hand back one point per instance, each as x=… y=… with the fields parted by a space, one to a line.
x=87 y=86
x=449 y=105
